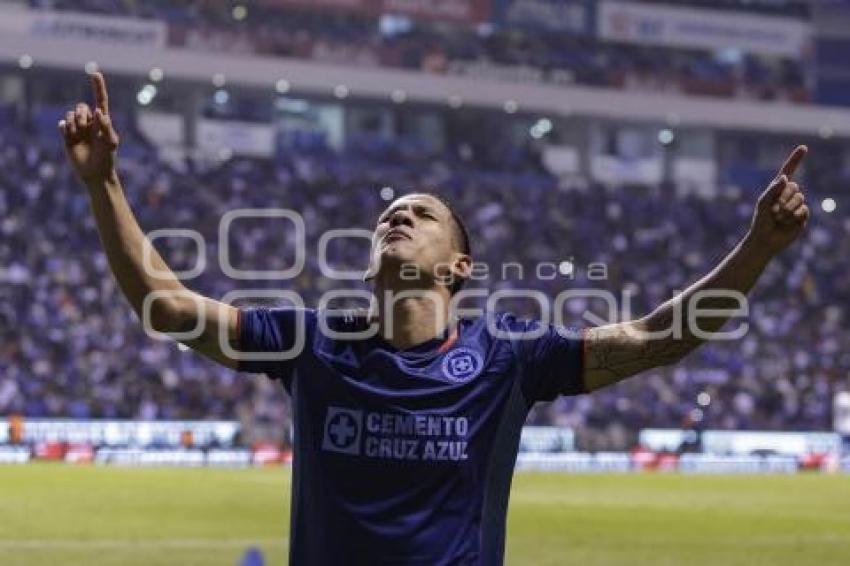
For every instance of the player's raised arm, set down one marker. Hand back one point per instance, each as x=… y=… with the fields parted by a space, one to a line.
x=91 y=144
x=616 y=351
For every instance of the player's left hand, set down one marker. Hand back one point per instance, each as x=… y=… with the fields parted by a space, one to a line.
x=781 y=212
x=91 y=141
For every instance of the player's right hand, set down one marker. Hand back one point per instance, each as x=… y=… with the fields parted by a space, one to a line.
x=90 y=139
x=781 y=213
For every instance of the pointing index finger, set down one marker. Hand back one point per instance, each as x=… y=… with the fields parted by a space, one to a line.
x=794 y=160
x=101 y=98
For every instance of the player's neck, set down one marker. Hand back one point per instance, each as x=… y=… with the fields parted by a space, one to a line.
x=409 y=318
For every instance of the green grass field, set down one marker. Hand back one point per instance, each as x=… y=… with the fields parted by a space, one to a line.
x=68 y=515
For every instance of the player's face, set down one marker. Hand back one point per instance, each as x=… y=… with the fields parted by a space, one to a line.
x=414 y=233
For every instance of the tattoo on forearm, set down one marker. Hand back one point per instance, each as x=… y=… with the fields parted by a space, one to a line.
x=618 y=351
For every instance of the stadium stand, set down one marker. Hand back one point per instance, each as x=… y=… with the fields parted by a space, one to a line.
x=572 y=56
x=72 y=348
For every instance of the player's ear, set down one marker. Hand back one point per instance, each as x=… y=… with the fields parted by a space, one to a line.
x=461 y=266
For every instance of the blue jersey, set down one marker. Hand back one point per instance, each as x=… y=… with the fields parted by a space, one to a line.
x=406 y=456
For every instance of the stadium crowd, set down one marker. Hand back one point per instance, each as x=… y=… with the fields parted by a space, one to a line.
x=71 y=347
x=509 y=52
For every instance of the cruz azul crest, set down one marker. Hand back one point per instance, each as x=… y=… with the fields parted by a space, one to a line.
x=462 y=364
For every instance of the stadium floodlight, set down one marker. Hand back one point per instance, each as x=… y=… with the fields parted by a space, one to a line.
x=143 y=98
x=828 y=204
x=239 y=12
x=666 y=137
x=542 y=127
x=566 y=268
x=387 y=193
x=146 y=95
x=25 y=61
x=281 y=86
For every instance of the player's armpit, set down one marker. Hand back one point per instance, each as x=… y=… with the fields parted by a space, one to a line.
x=215 y=324
x=616 y=351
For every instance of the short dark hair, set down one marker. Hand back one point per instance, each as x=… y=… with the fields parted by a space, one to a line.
x=460 y=234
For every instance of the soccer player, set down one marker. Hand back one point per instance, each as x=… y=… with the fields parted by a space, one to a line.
x=406 y=438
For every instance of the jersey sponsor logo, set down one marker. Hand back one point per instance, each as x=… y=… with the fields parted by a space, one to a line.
x=394 y=436
x=343 y=428
x=462 y=364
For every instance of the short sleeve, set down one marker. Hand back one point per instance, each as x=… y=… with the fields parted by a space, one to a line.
x=551 y=358
x=267 y=335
